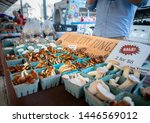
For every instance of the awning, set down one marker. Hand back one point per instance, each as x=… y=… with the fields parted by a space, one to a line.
x=5 y=4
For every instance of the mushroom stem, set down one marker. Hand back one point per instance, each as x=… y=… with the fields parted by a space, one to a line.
x=137 y=73
x=131 y=80
x=126 y=71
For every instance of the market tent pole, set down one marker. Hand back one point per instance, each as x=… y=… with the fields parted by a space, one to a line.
x=44 y=10
x=21 y=6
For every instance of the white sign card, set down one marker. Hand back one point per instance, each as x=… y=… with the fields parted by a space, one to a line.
x=130 y=53
x=74 y=47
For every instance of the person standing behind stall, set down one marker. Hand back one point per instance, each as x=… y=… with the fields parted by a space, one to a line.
x=114 y=17
x=17 y=18
x=21 y=16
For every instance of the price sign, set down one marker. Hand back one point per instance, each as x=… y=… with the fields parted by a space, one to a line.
x=74 y=47
x=95 y=46
x=130 y=53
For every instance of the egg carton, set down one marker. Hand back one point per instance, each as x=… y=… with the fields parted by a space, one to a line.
x=74 y=89
x=49 y=82
x=138 y=100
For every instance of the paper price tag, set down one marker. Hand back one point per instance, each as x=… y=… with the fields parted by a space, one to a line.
x=130 y=53
x=74 y=47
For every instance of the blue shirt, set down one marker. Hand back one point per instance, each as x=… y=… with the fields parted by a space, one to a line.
x=114 y=17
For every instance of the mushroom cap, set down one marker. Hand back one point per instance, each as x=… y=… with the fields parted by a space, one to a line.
x=117 y=66
x=20 y=50
x=114 y=62
x=102 y=70
x=125 y=67
x=134 y=79
x=104 y=94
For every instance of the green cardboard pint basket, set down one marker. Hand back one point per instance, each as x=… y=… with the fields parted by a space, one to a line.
x=75 y=90
x=49 y=82
x=138 y=100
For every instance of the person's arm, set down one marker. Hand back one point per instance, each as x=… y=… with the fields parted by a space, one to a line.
x=139 y=3
x=21 y=20
x=91 y=4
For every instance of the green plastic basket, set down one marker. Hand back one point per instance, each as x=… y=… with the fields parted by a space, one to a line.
x=138 y=100
x=49 y=82
x=75 y=90
x=91 y=99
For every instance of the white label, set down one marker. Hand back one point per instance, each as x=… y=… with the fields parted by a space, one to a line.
x=74 y=47
x=130 y=53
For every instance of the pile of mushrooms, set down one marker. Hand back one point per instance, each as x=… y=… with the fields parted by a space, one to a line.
x=99 y=89
x=76 y=79
x=68 y=66
x=28 y=78
x=145 y=92
x=99 y=72
x=50 y=71
x=126 y=101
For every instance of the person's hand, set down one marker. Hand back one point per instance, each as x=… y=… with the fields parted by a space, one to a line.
x=136 y=2
x=90 y=1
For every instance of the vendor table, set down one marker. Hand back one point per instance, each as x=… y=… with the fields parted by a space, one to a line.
x=56 y=96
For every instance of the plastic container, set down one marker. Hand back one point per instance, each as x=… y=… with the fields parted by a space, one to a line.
x=138 y=101
x=75 y=90
x=49 y=82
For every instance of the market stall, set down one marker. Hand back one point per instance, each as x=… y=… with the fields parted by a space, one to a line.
x=38 y=71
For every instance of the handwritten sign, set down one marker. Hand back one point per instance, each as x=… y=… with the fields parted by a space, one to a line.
x=130 y=53
x=95 y=46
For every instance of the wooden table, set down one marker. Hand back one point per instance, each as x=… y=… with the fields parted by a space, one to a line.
x=56 y=96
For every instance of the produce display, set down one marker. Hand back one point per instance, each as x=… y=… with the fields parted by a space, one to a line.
x=103 y=83
x=50 y=71
x=76 y=79
x=25 y=77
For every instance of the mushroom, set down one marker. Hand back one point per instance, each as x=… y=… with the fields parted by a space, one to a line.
x=128 y=100
x=30 y=48
x=104 y=85
x=116 y=67
x=92 y=88
x=110 y=63
x=36 y=50
x=113 y=83
x=131 y=80
x=145 y=92
x=119 y=103
x=83 y=78
x=99 y=73
x=92 y=73
x=137 y=73
x=126 y=71
x=104 y=94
